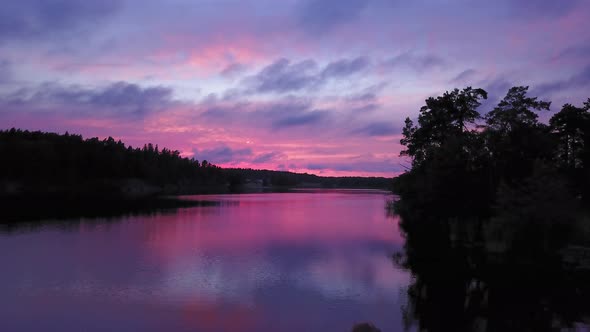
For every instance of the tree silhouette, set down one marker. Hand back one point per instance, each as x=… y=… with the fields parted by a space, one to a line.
x=515 y=111
x=451 y=115
x=515 y=137
x=569 y=126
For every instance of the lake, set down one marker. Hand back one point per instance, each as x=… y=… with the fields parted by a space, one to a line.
x=299 y=261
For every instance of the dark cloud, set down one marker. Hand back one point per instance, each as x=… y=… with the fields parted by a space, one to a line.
x=378 y=129
x=416 y=62
x=26 y=19
x=345 y=67
x=286 y=106
x=127 y=95
x=319 y=16
x=223 y=112
x=577 y=81
x=305 y=118
x=368 y=95
x=266 y=157
x=119 y=99
x=315 y=167
x=577 y=52
x=223 y=154
x=233 y=70
x=290 y=112
x=364 y=108
x=363 y=97
x=278 y=114
x=5 y=72
x=464 y=75
x=283 y=76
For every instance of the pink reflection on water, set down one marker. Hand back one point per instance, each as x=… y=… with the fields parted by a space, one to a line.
x=331 y=243
x=258 y=262
x=255 y=221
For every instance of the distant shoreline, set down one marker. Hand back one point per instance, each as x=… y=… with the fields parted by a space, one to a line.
x=17 y=209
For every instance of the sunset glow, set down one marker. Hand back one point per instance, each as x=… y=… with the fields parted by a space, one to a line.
x=316 y=86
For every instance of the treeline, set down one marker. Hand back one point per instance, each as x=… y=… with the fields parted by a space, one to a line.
x=268 y=178
x=38 y=162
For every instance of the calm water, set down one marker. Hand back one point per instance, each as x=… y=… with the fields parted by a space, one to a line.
x=257 y=262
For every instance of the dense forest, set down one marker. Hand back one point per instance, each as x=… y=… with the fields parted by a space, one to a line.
x=48 y=163
x=494 y=211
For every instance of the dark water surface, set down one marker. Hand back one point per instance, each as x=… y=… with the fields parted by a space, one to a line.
x=308 y=261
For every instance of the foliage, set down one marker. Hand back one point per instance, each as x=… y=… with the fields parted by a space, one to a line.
x=444 y=118
x=460 y=164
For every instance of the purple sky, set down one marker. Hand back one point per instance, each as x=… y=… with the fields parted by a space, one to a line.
x=320 y=86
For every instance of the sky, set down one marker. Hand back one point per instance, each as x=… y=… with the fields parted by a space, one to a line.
x=317 y=86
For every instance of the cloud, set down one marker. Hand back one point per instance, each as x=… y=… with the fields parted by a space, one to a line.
x=305 y=118
x=363 y=97
x=319 y=16
x=119 y=99
x=364 y=108
x=267 y=157
x=464 y=76
x=283 y=76
x=30 y=19
x=345 y=67
x=233 y=70
x=223 y=154
x=576 y=81
x=5 y=72
x=415 y=62
x=576 y=52
x=292 y=112
x=378 y=129
x=368 y=94
x=287 y=112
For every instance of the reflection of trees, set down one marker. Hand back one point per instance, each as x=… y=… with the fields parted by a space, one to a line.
x=462 y=282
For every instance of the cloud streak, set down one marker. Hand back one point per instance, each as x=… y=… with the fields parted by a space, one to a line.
x=284 y=76
x=119 y=100
x=579 y=80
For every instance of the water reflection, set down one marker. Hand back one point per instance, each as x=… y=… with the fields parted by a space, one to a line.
x=465 y=279
x=260 y=262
